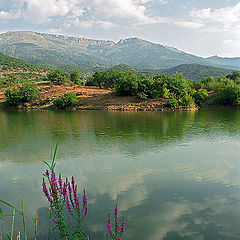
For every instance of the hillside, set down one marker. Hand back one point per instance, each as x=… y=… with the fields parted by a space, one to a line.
x=60 y=50
x=190 y=71
x=13 y=69
x=233 y=62
x=11 y=63
x=197 y=72
x=125 y=68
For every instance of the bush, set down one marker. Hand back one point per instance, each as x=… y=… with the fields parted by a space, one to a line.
x=172 y=103
x=21 y=94
x=57 y=77
x=187 y=101
x=67 y=100
x=200 y=97
x=229 y=95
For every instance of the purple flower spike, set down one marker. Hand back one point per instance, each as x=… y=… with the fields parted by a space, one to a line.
x=85 y=211
x=118 y=238
x=73 y=182
x=116 y=211
x=44 y=188
x=123 y=227
x=84 y=197
x=47 y=173
x=64 y=192
x=68 y=206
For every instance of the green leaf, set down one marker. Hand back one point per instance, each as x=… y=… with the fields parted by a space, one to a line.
x=11 y=206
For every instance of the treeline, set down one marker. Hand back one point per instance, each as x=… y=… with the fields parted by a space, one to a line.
x=176 y=91
x=176 y=88
x=180 y=92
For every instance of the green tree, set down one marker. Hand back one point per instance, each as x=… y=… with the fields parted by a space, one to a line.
x=74 y=77
x=200 y=96
x=23 y=93
x=58 y=76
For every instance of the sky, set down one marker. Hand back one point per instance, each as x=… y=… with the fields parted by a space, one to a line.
x=200 y=27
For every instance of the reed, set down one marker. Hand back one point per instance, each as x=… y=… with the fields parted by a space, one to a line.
x=13 y=217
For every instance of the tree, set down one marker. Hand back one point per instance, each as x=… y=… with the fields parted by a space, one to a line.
x=57 y=76
x=74 y=77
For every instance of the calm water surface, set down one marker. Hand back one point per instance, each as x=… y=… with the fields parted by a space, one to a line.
x=174 y=175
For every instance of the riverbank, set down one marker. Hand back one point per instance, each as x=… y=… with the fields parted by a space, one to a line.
x=92 y=98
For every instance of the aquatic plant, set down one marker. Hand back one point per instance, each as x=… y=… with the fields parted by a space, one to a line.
x=115 y=232
x=67 y=213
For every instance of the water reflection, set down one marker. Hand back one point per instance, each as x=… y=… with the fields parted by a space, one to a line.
x=175 y=175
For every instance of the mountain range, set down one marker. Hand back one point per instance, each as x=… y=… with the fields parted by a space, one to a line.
x=60 y=51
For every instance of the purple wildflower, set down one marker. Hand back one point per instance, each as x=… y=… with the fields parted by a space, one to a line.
x=84 y=201
x=64 y=192
x=47 y=173
x=68 y=206
x=76 y=202
x=85 y=211
x=44 y=188
x=60 y=181
x=54 y=220
x=73 y=182
x=116 y=211
x=123 y=227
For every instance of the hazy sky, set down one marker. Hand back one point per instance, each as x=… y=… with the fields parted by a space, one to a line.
x=201 y=27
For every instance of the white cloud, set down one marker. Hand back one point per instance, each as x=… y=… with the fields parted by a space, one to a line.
x=39 y=11
x=190 y=25
x=42 y=11
x=9 y=15
x=228 y=15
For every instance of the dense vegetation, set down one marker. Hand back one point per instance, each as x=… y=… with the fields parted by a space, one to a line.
x=58 y=77
x=21 y=94
x=180 y=92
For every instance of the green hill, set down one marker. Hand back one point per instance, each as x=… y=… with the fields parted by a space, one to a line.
x=125 y=68
x=190 y=71
x=11 y=63
x=196 y=71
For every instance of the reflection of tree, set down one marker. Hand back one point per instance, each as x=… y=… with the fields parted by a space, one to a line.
x=29 y=135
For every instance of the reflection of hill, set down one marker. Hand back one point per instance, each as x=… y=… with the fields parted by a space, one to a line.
x=29 y=136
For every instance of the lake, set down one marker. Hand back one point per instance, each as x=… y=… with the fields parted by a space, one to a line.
x=174 y=175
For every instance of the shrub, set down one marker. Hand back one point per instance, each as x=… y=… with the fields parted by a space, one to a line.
x=57 y=77
x=187 y=101
x=200 y=96
x=172 y=103
x=21 y=94
x=67 y=100
x=229 y=95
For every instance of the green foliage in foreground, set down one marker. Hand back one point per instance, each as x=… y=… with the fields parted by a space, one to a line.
x=66 y=101
x=66 y=210
x=21 y=93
